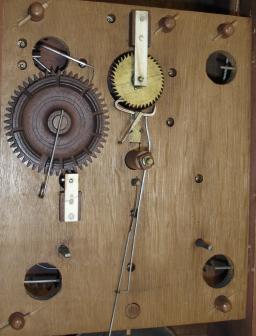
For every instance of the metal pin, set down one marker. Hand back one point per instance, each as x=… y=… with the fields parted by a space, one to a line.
x=40 y=281
x=45 y=183
x=222 y=268
x=35 y=58
x=201 y=243
x=132 y=233
x=67 y=56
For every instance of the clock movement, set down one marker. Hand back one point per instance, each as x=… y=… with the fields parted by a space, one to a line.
x=135 y=121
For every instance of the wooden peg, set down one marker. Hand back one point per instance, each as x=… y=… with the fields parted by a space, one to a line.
x=36 y=12
x=167 y=23
x=225 y=30
x=17 y=321
x=223 y=304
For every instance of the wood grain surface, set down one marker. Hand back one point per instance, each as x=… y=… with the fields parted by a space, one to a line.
x=211 y=136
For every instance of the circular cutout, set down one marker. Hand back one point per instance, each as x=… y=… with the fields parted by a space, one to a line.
x=42 y=281
x=47 y=60
x=221 y=67
x=218 y=271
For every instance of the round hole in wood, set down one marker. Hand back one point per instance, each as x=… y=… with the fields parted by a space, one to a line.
x=218 y=271
x=43 y=281
x=221 y=67
x=47 y=60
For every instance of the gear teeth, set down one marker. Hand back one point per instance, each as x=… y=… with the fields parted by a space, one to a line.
x=89 y=155
x=115 y=84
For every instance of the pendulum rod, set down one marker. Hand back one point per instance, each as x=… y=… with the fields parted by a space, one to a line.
x=130 y=239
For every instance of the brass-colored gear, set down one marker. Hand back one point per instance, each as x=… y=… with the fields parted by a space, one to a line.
x=122 y=87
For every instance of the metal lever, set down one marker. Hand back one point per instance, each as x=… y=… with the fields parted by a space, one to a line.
x=45 y=183
x=83 y=64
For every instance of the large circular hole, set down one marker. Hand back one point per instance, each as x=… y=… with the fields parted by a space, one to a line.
x=221 y=67
x=47 y=54
x=43 y=281
x=218 y=271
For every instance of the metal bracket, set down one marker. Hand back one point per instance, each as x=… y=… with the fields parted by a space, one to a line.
x=71 y=199
x=141 y=43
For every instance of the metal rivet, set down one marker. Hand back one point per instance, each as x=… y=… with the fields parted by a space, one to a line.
x=22 y=65
x=170 y=122
x=172 y=72
x=111 y=18
x=22 y=43
x=199 y=178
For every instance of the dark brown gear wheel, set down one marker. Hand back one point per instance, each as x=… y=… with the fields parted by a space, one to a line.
x=33 y=118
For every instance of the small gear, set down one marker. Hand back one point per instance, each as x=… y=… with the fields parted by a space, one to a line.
x=121 y=82
x=33 y=115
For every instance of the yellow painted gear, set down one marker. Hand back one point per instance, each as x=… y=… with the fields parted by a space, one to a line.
x=123 y=88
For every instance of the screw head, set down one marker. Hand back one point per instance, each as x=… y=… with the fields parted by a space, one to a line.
x=199 y=178
x=111 y=18
x=140 y=79
x=172 y=72
x=132 y=310
x=170 y=122
x=71 y=180
x=22 y=43
x=22 y=65
x=131 y=267
x=71 y=216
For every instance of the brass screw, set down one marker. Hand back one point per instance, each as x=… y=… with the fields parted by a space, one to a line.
x=22 y=43
x=22 y=65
